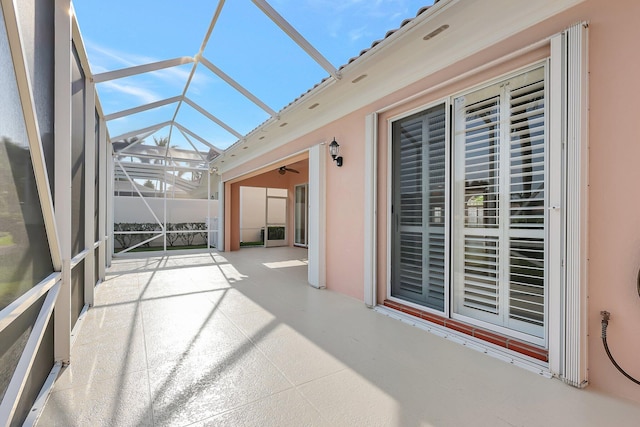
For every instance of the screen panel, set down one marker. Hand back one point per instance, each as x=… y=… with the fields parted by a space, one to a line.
x=25 y=258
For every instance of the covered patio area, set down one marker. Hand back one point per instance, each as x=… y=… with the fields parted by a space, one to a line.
x=240 y=339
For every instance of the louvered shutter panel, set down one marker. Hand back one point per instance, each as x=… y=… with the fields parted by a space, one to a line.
x=408 y=269
x=499 y=265
x=478 y=175
x=436 y=263
x=527 y=202
x=419 y=208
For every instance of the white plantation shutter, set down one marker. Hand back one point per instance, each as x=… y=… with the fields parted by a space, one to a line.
x=527 y=202
x=409 y=206
x=481 y=273
x=499 y=265
x=478 y=173
x=419 y=168
x=435 y=260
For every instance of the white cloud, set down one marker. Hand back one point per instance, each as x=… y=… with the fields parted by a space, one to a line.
x=104 y=59
x=357 y=33
x=111 y=59
x=145 y=96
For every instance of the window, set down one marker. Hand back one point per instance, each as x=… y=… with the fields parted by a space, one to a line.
x=498 y=219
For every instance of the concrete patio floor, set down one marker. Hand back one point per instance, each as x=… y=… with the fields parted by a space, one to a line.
x=240 y=339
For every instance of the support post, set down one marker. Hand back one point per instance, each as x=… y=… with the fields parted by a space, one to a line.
x=63 y=167
x=89 y=190
x=317 y=216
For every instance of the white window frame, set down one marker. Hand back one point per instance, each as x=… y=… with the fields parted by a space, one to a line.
x=549 y=239
x=306 y=215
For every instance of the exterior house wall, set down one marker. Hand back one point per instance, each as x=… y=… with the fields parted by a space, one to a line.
x=345 y=198
x=614 y=230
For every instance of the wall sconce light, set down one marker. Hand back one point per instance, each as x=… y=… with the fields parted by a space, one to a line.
x=334 y=150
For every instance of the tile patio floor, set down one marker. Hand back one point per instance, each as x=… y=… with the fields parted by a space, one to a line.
x=240 y=339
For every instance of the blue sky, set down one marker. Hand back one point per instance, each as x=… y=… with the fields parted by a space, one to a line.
x=245 y=44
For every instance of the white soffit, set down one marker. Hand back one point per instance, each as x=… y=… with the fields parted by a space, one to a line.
x=399 y=60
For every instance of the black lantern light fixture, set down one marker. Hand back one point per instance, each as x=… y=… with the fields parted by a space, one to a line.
x=334 y=150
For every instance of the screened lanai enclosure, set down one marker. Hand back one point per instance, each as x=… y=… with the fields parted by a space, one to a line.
x=166 y=191
x=450 y=186
x=162 y=197
x=105 y=153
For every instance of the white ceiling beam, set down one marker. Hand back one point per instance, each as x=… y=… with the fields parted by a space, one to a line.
x=141 y=69
x=203 y=46
x=142 y=108
x=199 y=138
x=139 y=168
x=146 y=135
x=237 y=86
x=213 y=118
x=297 y=37
x=138 y=132
x=191 y=143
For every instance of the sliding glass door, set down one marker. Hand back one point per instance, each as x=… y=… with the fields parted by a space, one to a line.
x=494 y=276
x=419 y=209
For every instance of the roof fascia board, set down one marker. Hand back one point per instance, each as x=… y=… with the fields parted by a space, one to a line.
x=386 y=43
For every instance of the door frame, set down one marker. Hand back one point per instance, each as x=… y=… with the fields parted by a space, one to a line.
x=280 y=242
x=306 y=215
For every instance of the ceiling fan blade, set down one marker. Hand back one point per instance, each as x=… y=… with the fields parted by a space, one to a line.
x=291 y=170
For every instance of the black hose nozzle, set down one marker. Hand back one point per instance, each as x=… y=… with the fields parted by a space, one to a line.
x=605 y=322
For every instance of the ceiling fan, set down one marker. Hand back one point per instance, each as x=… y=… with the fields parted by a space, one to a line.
x=283 y=169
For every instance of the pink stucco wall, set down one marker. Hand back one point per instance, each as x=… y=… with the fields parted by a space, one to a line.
x=614 y=203
x=345 y=199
